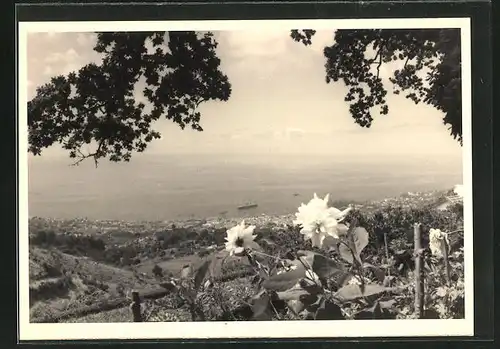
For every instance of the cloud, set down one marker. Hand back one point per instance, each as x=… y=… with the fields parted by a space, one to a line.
x=51 y=54
x=86 y=39
x=48 y=70
x=280 y=101
x=62 y=57
x=255 y=43
x=294 y=133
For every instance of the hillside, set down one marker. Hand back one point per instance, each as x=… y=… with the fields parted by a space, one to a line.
x=76 y=263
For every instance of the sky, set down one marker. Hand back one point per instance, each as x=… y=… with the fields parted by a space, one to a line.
x=280 y=102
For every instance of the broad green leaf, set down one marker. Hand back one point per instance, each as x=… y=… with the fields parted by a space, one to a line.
x=256 y=279
x=388 y=280
x=357 y=240
x=431 y=314
x=353 y=292
x=388 y=304
x=268 y=242
x=305 y=259
x=310 y=299
x=346 y=253
x=292 y=294
x=255 y=246
x=298 y=292
x=169 y=286
x=200 y=273
x=186 y=272
x=260 y=306
x=189 y=294
x=361 y=238
x=330 y=242
x=284 y=281
x=328 y=311
x=372 y=312
x=296 y=306
x=324 y=267
x=378 y=272
x=218 y=260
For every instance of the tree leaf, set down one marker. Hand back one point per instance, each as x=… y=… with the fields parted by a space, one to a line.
x=96 y=103
x=441 y=91
x=353 y=291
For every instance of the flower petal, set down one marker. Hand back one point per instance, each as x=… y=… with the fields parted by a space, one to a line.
x=238 y=251
x=327 y=198
x=342 y=229
x=316 y=240
x=335 y=212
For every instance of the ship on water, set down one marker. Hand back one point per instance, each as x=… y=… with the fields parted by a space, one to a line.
x=247 y=206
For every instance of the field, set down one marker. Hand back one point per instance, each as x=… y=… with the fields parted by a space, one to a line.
x=85 y=271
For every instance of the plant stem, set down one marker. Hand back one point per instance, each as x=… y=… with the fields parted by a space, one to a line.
x=274 y=309
x=419 y=281
x=266 y=255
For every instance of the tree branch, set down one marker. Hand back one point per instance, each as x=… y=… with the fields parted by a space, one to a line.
x=94 y=155
x=379 y=62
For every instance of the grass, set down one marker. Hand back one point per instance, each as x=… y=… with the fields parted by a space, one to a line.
x=101 y=260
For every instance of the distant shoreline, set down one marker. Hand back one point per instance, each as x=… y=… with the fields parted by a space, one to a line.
x=421 y=199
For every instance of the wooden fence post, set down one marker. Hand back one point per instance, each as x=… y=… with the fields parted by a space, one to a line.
x=387 y=254
x=136 y=307
x=419 y=280
x=446 y=261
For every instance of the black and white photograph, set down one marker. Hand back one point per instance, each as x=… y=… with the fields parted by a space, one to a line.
x=199 y=179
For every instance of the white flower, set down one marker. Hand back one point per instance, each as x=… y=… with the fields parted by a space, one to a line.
x=441 y=292
x=319 y=221
x=312 y=277
x=239 y=238
x=438 y=240
x=286 y=269
x=459 y=190
x=356 y=280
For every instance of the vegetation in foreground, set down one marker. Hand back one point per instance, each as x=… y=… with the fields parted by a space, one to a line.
x=76 y=263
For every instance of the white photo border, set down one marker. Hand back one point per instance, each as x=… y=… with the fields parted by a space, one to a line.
x=247 y=329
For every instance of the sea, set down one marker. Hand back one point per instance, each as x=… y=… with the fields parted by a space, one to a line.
x=154 y=187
